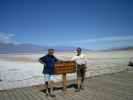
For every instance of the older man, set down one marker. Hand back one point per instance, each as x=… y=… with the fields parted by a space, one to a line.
x=81 y=68
x=48 y=61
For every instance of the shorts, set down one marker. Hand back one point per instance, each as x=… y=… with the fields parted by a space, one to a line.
x=48 y=77
x=81 y=69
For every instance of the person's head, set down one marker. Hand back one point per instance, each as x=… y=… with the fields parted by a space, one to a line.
x=78 y=51
x=50 y=51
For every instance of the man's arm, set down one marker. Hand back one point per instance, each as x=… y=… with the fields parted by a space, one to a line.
x=73 y=58
x=42 y=60
x=55 y=59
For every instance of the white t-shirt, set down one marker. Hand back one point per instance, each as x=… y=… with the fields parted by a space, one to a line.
x=79 y=59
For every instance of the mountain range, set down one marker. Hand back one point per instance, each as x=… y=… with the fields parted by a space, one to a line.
x=32 y=48
x=119 y=49
x=27 y=48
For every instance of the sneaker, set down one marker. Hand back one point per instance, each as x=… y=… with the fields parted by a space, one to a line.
x=52 y=95
x=77 y=90
x=45 y=91
x=46 y=94
x=81 y=87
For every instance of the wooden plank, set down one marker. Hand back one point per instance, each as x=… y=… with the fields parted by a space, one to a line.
x=26 y=94
x=17 y=94
x=11 y=95
x=14 y=94
x=33 y=94
x=1 y=96
x=6 y=96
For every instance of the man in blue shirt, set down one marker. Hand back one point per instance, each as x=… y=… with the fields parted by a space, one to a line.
x=48 y=61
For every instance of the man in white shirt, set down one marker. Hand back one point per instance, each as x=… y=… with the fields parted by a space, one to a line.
x=81 y=68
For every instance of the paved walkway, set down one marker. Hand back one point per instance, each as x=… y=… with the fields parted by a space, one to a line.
x=107 y=87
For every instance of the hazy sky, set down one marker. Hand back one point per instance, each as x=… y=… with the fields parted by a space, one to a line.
x=93 y=24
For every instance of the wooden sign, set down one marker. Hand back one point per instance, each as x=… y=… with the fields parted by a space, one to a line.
x=64 y=67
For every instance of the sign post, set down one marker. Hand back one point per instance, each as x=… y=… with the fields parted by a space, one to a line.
x=64 y=82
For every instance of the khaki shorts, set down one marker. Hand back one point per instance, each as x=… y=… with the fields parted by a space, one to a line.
x=81 y=69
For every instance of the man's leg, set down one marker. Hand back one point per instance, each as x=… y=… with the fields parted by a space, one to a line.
x=46 y=83
x=50 y=89
x=78 y=80
x=83 y=71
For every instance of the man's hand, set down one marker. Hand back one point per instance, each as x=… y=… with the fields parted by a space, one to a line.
x=61 y=61
x=41 y=60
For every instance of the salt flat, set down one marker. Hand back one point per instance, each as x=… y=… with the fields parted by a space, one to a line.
x=22 y=70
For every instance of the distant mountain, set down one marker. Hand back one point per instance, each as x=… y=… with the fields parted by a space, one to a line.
x=16 y=48
x=30 y=48
x=119 y=49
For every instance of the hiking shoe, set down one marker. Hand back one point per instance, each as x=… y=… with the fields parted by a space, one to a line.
x=81 y=87
x=52 y=95
x=77 y=90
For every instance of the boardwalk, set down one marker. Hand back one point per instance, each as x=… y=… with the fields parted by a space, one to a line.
x=107 y=87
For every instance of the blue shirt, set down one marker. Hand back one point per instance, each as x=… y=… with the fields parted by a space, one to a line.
x=49 y=60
